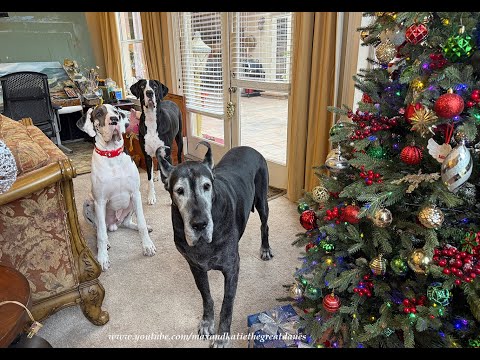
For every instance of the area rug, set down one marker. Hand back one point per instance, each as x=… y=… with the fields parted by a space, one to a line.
x=81 y=156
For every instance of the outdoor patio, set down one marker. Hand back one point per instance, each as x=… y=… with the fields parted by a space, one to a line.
x=263 y=125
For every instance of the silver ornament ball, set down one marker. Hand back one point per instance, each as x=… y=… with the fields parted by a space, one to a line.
x=457 y=167
x=296 y=291
x=382 y=218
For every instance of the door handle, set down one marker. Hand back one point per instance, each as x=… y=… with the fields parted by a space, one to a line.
x=230 y=109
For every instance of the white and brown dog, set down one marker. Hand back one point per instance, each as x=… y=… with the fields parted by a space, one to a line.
x=115 y=193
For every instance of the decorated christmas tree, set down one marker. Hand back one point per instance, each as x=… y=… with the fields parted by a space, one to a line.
x=392 y=254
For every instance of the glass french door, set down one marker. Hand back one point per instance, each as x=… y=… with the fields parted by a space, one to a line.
x=235 y=76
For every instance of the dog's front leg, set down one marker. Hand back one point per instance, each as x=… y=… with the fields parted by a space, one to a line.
x=148 y=246
x=152 y=199
x=207 y=324
x=230 y=288
x=102 y=236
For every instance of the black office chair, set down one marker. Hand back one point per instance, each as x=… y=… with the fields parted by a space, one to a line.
x=26 y=94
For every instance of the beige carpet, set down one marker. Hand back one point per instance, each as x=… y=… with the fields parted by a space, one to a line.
x=157 y=295
x=81 y=156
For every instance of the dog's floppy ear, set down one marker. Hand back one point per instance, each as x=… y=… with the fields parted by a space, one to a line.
x=85 y=123
x=125 y=115
x=135 y=89
x=164 y=90
x=208 y=159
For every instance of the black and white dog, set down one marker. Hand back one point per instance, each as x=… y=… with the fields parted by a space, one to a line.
x=210 y=210
x=160 y=123
x=115 y=181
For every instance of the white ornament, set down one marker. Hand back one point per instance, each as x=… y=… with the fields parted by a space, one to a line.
x=8 y=168
x=439 y=152
x=457 y=167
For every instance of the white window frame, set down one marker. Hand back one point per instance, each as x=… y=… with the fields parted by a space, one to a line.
x=127 y=42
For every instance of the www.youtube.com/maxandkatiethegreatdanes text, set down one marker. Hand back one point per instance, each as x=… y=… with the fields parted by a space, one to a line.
x=195 y=336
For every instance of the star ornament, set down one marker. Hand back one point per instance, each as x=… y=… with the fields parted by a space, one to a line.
x=422 y=120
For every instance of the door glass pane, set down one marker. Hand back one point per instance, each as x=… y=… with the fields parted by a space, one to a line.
x=130 y=26
x=207 y=127
x=134 y=63
x=263 y=123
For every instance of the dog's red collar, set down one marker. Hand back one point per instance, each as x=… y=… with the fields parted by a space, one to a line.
x=109 y=153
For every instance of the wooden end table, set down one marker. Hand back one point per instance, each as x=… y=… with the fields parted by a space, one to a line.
x=13 y=318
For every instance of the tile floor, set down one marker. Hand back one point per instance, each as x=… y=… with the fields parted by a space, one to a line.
x=263 y=126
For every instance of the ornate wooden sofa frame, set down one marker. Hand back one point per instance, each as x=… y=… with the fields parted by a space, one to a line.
x=40 y=236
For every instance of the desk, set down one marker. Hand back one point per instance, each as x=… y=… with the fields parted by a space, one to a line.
x=13 y=318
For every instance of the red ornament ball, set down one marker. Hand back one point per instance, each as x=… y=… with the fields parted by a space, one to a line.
x=331 y=303
x=410 y=111
x=411 y=155
x=308 y=219
x=350 y=214
x=449 y=105
x=416 y=33
x=309 y=246
x=366 y=98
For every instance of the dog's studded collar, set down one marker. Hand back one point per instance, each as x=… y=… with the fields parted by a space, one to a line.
x=109 y=153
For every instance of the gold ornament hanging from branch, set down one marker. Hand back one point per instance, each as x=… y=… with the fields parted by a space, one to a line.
x=423 y=121
x=416 y=179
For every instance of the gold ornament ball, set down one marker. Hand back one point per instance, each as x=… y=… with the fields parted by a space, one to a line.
x=364 y=34
x=296 y=291
x=382 y=218
x=320 y=194
x=417 y=84
x=431 y=217
x=378 y=265
x=418 y=261
x=385 y=52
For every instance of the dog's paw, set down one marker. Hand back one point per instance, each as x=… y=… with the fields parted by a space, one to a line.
x=149 y=228
x=221 y=343
x=152 y=199
x=156 y=176
x=104 y=261
x=266 y=254
x=206 y=328
x=112 y=227
x=149 y=248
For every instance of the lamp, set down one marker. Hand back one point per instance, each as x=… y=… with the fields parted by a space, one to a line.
x=201 y=51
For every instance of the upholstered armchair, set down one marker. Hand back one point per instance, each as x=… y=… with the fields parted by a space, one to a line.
x=39 y=230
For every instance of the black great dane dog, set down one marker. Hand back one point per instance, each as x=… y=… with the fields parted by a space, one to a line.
x=160 y=123
x=210 y=210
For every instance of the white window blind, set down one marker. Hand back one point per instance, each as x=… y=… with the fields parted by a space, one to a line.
x=201 y=61
x=261 y=47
